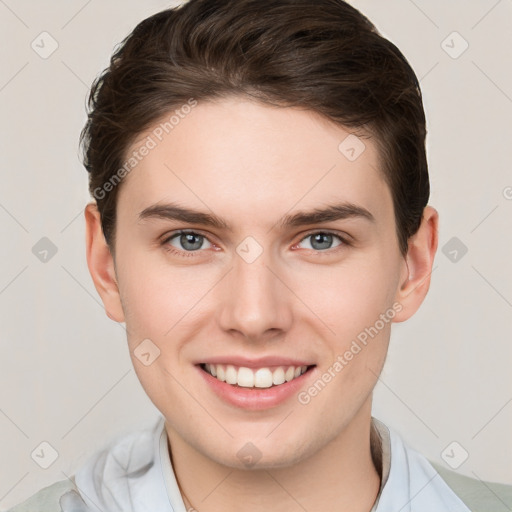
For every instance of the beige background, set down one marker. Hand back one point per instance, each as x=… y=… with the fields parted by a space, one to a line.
x=65 y=374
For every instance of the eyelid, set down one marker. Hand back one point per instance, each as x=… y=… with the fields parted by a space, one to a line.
x=184 y=231
x=345 y=239
x=343 y=236
x=164 y=242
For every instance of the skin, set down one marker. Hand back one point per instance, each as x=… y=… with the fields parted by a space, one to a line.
x=251 y=164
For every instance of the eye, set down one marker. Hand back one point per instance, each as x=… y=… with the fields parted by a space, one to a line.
x=322 y=240
x=186 y=241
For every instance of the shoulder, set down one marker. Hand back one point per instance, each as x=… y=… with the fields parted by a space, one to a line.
x=426 y=485
x=62 y=496
x=112 y=477
x=478 y=495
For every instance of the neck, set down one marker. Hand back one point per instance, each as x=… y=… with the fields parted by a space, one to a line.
x=344 y=475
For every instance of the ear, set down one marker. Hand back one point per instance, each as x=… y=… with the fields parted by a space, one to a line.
x=415 y=280
x=101 y=264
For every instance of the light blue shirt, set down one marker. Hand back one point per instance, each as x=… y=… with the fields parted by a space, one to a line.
x=134 y=474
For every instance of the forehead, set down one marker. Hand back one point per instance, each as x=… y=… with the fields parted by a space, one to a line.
x=242 y=157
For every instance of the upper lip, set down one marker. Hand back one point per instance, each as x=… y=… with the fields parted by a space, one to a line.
x=260 y=362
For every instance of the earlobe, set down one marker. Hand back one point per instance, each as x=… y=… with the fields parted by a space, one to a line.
x=101 y=264
x=419 y=260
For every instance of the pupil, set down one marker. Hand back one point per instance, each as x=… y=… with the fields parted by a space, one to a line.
x=189 y=238
x=327 y=239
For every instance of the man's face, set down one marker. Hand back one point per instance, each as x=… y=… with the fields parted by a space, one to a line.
x=258 y=293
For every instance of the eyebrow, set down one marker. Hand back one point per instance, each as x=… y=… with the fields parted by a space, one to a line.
x=171 y=211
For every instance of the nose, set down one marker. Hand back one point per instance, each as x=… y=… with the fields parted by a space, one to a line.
x=255 y=301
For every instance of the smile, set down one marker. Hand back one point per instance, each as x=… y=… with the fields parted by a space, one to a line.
x=265 y=377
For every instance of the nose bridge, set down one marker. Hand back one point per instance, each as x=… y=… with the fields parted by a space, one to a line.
x=254 y=300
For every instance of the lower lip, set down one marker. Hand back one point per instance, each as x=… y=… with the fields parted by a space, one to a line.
x=255 y=399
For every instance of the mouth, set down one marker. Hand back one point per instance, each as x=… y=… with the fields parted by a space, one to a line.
x=261 y=378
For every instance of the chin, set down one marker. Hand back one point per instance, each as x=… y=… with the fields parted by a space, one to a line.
x=259 y=453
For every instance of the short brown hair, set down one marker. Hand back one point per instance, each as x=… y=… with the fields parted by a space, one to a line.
x=322 y=55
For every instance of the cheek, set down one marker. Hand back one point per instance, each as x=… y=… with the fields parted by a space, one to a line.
x=351 y=297
x=356 y=303
x=159 y=297
x=156 y=297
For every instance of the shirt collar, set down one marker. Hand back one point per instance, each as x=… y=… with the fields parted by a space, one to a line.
x=135 y=474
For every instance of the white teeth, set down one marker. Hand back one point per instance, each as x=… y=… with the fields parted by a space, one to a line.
x=221 y=374
x=278 y=376
x=231 y=374
x=245 y=377
x=260 y=378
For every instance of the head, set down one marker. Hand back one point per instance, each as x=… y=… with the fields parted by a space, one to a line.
x=261 y=187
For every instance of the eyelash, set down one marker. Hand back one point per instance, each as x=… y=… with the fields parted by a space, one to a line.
x=186 y=254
